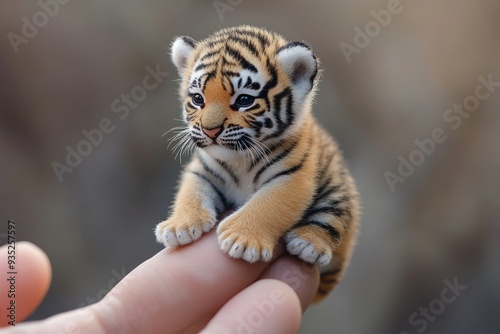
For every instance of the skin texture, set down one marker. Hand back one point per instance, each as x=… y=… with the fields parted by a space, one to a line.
x=166 y=294
x=32 y=279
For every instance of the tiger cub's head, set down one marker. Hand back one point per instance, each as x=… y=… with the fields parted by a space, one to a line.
x=243 y=89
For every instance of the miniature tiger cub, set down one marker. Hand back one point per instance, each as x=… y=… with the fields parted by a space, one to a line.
x=246 y=95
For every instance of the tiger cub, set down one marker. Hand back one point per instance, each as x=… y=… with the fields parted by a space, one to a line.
x=246 y=95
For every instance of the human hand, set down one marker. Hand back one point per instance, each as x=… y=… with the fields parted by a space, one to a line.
x=191 y=289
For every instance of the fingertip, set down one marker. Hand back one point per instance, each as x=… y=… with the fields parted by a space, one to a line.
x=267 y=306
x=302 y=277
x=29 y=274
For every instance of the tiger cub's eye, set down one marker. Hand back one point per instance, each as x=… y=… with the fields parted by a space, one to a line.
x=198 y=100
x=244 y=101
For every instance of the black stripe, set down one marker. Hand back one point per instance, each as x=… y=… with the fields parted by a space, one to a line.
x=277 y=104
x=210 y=75
x=248 y=82
x=210 y=54
x=288 y=171
x=214 y=43
x=211 y=171
x=242 y=60
x=333 y=209
x=246 y=141
x=296 y=167
x=293 y=44
x=330 y=272
x=189 y=41
x=275 y=160
x=325 y=193
x=331 y=206
x=281 y=125
x=246 y=43
x=273 y=82
x=322 y=187
x=226 y=62
x=204 y=65
x=225 y=82
x=254 y=86
x=322 y=291
x=255 y=107
x=228 y=170
x=326 y=189
x=330 y=277
x=214 y=188
x=325 y=168
x=322 y=150
x=257 y=126
x=332 y=231
x=264 y=41
x=269 y=151
x=229 y=73
x=329 y=280
x=191 y=106
x=259 y=113
x=268 y=123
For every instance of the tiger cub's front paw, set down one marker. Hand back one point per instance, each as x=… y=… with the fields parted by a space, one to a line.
x=240 y=241
x=177 y=231
x=310 y=244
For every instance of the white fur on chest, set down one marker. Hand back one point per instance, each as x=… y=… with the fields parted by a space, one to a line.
x=241 y=193
x=238 y=193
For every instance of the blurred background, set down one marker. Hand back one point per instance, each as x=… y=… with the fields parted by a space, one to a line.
x=61 y=72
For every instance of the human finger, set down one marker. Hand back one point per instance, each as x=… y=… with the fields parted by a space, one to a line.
x=267 y=306
x=167 y=293
x=26 y=270
x=302 y=277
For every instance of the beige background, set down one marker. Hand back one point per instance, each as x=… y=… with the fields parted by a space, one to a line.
x=441 y=223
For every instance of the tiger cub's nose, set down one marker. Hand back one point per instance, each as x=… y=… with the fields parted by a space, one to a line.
x=213 y=133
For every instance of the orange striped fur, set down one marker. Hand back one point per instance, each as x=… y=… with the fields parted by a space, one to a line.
x=246 y=97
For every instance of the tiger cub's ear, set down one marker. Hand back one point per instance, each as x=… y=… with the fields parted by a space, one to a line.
x=301 y=65
x=182 y=48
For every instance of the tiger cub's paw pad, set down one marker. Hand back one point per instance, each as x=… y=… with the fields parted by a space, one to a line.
x=173 y=233
x=240 y=246
x=321 y=254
